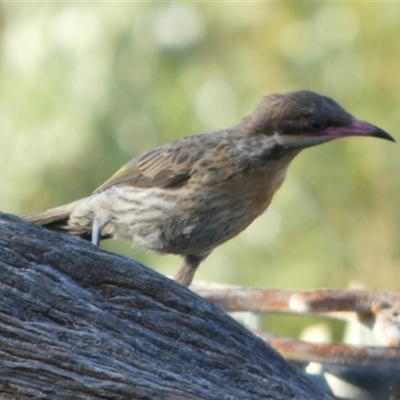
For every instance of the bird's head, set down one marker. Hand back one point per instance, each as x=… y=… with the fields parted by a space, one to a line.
x=303 y=119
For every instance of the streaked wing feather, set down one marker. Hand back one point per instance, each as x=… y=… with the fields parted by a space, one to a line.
x=166 y=166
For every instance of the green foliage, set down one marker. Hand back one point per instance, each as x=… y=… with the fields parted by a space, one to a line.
x=86 y=87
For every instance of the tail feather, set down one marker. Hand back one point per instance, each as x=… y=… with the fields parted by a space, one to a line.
x=57 y=219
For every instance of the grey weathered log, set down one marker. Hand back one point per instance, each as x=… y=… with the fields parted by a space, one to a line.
x=77 y=322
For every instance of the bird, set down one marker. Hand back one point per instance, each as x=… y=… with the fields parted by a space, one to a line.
x=191 y=195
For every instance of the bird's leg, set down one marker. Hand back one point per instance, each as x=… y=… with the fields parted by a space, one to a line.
x=97 y=229
x=188 y=269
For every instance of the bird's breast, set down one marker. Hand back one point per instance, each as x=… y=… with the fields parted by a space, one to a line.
x=254 y=193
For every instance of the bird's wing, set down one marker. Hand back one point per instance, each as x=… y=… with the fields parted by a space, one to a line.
x=167 y=166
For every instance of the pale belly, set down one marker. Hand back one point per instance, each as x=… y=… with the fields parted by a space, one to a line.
x=189 y=220
x=176 y=221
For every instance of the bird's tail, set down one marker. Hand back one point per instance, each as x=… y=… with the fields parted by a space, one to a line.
x=57 y=219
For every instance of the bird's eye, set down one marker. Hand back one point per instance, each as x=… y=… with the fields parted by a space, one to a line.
x=315 y=125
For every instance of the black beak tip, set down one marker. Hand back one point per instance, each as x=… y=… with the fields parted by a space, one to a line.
x=379 y=133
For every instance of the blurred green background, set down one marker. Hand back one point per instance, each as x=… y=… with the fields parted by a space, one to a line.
x=86 y=87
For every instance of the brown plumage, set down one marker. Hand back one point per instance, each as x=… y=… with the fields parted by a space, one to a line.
x=191 y=195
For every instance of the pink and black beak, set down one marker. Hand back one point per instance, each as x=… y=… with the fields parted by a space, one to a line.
x=357 y=128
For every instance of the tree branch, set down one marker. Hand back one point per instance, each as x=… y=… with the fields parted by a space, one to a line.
x=79 y=322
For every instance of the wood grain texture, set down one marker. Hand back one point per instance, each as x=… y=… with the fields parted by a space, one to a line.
x=77 y=322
